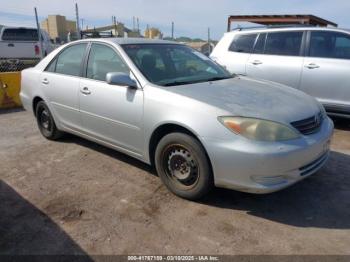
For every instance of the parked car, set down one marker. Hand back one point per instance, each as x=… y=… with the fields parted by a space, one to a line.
x=20 y=45
x=171 y=106
x=312 y=59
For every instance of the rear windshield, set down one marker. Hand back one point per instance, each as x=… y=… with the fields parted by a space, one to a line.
x=20 y=34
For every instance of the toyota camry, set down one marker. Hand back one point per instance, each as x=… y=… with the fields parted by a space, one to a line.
x=174 y=108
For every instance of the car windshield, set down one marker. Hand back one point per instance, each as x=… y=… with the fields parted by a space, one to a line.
x=173 y=64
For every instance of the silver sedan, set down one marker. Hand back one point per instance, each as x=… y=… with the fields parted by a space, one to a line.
x=172 y=107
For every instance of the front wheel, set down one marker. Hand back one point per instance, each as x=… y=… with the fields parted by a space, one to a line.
x=46 y=122
x=183 y=166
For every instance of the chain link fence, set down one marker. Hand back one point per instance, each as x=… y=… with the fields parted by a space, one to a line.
x=13 y=65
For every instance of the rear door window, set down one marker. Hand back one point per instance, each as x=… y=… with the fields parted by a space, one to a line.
x=243 y=43
x=52 y=66
x=70 y=60
x=260 y=44
x=283 y=43
x=329 y=45
x=20 y=34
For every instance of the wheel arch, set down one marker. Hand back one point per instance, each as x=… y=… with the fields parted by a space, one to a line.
x=36 y=100
x=167 y=128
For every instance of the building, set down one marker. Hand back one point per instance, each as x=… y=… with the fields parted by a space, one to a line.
x=117 y=30
x=153 y=33
x=57 y=26
x=269 y=20
x=203 y=47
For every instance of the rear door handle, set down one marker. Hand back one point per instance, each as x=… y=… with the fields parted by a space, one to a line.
x=85 y=91
x=312 y=66
x=257 y=62
x=45 y=81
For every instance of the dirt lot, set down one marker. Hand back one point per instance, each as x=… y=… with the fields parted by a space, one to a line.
x=76 y=197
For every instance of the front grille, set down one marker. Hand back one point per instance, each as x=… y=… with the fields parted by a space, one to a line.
x=314 y=165
x=309 y=125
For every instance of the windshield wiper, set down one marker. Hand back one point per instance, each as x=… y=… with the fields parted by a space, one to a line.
x=219 y=78
x=178 y=83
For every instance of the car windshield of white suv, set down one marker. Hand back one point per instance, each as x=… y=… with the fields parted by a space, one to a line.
x=172 y=64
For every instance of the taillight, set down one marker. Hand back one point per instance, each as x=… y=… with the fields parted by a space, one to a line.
x=37 y=50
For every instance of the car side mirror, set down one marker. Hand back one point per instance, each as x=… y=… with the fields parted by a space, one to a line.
x=120 y=79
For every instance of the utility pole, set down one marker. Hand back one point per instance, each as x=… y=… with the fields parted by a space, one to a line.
x=138 y=25
x=77 y=19
x=172 y=30
x=147 y=33
x=115 y=26
x=39 y=33
x=209 y=47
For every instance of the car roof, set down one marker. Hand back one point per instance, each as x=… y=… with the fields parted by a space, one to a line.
x=131 y=40
x=284 y=28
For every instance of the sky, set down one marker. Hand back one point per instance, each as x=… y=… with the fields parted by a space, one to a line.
x=191 y=17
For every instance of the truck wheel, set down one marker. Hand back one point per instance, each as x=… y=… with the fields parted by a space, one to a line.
x=183 y=166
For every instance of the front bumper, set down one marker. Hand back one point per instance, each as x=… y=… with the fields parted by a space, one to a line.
x=264 y=167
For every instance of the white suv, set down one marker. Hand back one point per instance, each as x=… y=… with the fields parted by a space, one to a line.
x=313 y=59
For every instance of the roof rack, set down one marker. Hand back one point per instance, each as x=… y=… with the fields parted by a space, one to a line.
x=271 y=26
x=279 y=20
x=239 y=28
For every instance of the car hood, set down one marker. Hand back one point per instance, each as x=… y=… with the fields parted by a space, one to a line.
x=243 y=96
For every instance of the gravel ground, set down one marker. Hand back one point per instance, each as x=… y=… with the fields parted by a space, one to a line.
x=76 y=197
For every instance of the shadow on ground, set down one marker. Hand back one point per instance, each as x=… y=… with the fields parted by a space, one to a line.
x=68 y=138
x=11 y=110
x=322 y=200
x=341 y=123
x=25 y=230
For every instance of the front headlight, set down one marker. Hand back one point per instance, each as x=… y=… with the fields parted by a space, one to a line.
x=258 y=129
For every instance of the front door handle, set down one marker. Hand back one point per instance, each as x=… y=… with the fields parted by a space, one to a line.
x=45 y=81
x=257 y=62
x=312 y=66
x=85 y=91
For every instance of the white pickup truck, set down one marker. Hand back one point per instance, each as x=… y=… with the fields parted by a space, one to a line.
x=18 y=45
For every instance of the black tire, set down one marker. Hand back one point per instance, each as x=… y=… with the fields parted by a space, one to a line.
x=46 y=122
x=183 y=166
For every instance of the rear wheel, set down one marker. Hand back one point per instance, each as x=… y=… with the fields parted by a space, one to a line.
x=46 y=122
x=183 y=166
